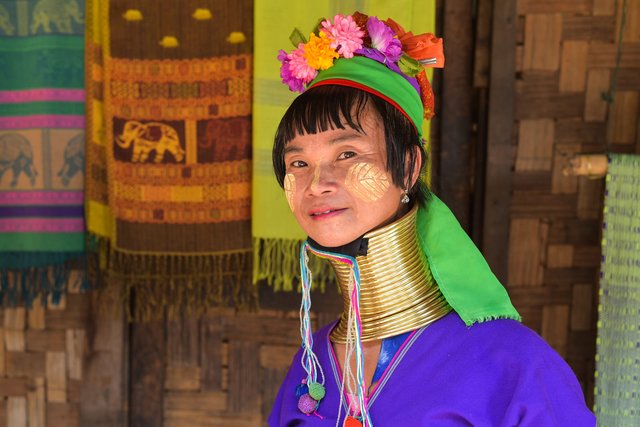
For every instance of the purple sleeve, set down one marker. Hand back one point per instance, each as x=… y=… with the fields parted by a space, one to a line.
x=538 y=387
x=281 y=409
x=498 y=373
x=548 y=394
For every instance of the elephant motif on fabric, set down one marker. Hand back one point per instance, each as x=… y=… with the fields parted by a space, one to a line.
x=58 y=12
x=148 y=137
x=5 y=21
x=228 y=138
x=16 y=154
x=73 y=159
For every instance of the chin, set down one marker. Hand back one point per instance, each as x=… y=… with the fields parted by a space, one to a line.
x=332 y=241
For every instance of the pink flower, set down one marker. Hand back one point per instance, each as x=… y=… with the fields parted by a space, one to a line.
x=384 y=39
x=345 y=34
x=299 y=67
x=295 y=85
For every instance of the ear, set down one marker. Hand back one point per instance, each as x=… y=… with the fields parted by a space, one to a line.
x=412 y=170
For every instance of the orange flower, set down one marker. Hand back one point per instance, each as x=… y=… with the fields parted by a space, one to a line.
x=421 y=47
x=318 y=52
x=426 y=95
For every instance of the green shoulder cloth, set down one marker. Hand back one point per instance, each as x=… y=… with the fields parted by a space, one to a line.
x=462 y=273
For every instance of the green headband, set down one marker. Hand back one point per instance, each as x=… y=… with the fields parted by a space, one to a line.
x=374 y=77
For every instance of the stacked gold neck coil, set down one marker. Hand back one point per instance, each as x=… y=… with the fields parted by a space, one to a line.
x=397 y=291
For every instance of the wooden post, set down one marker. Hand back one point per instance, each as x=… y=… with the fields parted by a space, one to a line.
x=457 y=104
x=497 y=202
x=483 y=15
x=104 y=387
x=148 y=350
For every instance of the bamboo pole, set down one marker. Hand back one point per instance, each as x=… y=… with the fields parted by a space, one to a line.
x=589 y=165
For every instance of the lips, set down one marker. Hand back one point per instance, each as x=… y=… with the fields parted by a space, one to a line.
x=324 y=212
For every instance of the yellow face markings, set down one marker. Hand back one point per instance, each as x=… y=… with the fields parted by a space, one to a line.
x=367 y=182
x=316 y=176
x=289 y=189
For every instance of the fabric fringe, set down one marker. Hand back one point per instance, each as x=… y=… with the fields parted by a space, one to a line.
x=277 y=262
x=147 y=285
x=27 y=277
x=483 y=319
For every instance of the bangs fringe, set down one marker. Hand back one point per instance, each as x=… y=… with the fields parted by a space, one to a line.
x=319 y=110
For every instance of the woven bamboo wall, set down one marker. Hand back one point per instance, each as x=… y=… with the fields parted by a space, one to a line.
x=225 y=369
x=41 y=363
x=565 y=60
x=66 y=366
x=222 y=369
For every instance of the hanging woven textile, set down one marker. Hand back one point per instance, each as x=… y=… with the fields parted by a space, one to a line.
x=41 y=148
x=618 y=344
x=276 y=235
x=169 y=157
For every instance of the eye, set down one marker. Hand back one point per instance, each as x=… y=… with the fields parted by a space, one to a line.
x=298 y=164
x=346 y=155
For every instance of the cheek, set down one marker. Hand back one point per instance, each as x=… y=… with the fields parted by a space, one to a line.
x=367 y=182
x=290 y=189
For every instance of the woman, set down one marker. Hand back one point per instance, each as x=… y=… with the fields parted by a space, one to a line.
x=428 y=336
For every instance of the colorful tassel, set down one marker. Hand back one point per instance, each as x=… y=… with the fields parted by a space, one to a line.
x=315 y=376
x=354 y=334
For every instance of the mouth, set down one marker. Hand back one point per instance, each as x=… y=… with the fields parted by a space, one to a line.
x=325 y=213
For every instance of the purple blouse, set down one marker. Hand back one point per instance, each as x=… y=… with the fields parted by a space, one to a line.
x=497 y=373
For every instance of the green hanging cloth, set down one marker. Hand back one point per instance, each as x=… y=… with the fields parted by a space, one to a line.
x=618 y=344
x=41 y=149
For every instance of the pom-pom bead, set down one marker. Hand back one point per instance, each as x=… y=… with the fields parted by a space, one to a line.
x=301 y=389
x=307 y=404
x=316 y=390
x=352 y=422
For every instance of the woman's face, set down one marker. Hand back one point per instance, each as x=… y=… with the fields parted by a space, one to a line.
x=337 y=185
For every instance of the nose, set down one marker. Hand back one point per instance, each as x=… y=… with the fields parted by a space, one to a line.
x=323 y=180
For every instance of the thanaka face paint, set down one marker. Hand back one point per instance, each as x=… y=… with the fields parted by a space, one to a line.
x=330 y=208
x=316 y=176
x=367 y=182
x=290 y=189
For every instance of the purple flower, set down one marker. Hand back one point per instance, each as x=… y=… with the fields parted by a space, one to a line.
x=384 y=39
x=295 y=85
x=374 y=54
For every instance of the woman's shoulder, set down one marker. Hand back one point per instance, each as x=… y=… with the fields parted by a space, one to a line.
x=503 y=366
x=505 y=338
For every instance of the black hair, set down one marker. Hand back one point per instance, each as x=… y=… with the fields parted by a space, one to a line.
x=336 y=107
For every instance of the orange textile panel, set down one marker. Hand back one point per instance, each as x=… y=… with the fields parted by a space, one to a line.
x=169 y=155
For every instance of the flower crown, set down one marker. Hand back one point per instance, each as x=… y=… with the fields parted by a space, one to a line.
x=358 y=34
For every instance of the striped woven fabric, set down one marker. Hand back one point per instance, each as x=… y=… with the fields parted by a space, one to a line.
x=169 y=157
x=618 y=344
x=41 y=146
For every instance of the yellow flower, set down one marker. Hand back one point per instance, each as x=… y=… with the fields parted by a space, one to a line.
x=318 y=52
